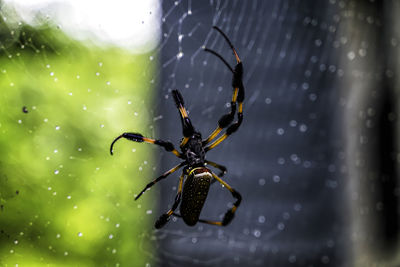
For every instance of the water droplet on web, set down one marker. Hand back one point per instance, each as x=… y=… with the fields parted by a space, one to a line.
x=261 y=219
x=280 y=131
x=303 y=128
x=97 y=73
x=16 y=242
x=276 y=178
x=351 y=55
x=51 y=73
x=117 y=225
x=149 y=211
x=55 y=150
x=325 y=259
x=111 y=236
x=292 y=258
x=80 y=234
x=56 y=172
x=57 y=128
x=179 y=55
x=297 y=207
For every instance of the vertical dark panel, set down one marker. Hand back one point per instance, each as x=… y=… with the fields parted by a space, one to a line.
x=288 y=158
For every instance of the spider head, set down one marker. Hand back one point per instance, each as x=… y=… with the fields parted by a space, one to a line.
x=194 y=150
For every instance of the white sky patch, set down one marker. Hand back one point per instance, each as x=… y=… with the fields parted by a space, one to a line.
x=131 y=24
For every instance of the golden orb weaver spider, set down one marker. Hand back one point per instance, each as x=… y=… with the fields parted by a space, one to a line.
x=192 y=191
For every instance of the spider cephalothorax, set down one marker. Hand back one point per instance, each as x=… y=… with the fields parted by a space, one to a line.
x=196 y=178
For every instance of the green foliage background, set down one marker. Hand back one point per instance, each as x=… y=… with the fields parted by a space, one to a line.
x=64 y=200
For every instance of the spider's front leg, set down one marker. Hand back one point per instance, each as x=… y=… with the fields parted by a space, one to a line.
x=137 y=137
x=187 y=127
x=237 y=97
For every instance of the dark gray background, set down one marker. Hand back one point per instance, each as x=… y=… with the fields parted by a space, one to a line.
x=295 y=159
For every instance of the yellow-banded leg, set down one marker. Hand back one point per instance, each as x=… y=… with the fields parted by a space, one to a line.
x=137 y=137
x=165 y=217
x=218 y=166
x=187 y=126
x=164 y=175
x=231 y=129
x=237 y=97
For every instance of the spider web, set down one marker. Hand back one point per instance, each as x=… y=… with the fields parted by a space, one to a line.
x=287 y=157
x=289 y=160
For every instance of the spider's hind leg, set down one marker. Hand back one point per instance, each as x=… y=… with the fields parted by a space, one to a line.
x=164 y=218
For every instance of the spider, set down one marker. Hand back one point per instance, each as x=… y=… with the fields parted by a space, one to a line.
x=196 y=178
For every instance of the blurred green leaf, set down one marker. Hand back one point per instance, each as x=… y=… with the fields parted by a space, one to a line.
x=64 y=200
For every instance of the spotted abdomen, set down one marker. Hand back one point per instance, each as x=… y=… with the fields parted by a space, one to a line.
x=194 y=194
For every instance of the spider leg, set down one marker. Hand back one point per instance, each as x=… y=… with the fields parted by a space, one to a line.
x=237 y=96
x=164 y=175
x=137 y=137
x=218 y=166
x=187 y=127
x=165 y=217
x=230 y=213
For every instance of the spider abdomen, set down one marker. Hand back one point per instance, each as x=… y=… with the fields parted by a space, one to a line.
x=194 y=194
